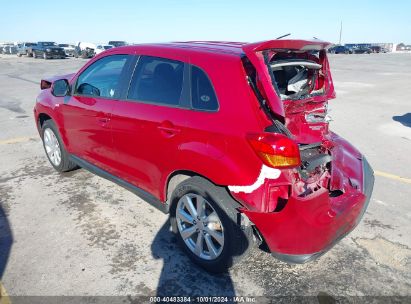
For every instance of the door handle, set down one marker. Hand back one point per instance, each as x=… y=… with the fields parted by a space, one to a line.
x=168 y=129
x=103 y=121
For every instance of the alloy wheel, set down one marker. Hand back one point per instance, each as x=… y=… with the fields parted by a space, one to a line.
x=52 y=146
x=200 y=226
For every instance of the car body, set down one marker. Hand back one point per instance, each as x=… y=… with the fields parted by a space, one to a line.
x=9 y=49
x=378 y=49
x=238 y=129
x=84 y=50
x=362 y=50
x=340 y=49
x=102 y=47
x=26 y=48
x=48 y=50
x=117 y=43
x=68 y=49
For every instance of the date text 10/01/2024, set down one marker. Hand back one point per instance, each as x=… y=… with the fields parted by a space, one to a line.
x=235 y=299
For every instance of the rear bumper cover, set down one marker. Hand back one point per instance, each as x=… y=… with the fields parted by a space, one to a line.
x=309 y=227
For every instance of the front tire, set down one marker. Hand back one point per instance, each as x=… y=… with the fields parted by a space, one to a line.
x=204 y=218
x=54 y=148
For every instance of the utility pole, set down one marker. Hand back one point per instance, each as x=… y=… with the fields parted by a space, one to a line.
x=340 y=33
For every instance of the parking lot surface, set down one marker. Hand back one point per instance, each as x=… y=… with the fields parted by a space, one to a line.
x=76 y=234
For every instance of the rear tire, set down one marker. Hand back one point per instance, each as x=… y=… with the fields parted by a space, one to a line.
x=52 y=143
x=211 y=238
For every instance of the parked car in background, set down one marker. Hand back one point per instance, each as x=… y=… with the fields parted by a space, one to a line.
x=101 y=48
x=48 y=50
x=26 y=48
x=68 y=49
x=340 y=49
x=362 y=50
x=84 y=50
x=117 y=43
x=378 y=49
x=9 y=49
x=267 y=169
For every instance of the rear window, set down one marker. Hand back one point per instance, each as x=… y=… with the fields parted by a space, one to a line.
x=297 y=75
x=157 y=80
x=202 y=93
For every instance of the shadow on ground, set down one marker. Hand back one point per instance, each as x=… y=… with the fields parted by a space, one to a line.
x=404 y=119
x=179 y=276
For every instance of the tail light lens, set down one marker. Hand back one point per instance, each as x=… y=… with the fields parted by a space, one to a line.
x=275 y=150
x=44 y=84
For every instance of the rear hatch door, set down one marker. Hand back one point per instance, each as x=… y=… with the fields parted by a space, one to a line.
x=294 y=77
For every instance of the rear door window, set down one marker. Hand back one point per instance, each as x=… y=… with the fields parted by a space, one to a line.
x=203 y=96
x=102 y=77
x=157 y=80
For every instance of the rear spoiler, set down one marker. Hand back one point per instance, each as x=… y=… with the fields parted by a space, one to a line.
x=296 y=45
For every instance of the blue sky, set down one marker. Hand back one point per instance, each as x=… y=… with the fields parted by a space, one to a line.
x=154 y=21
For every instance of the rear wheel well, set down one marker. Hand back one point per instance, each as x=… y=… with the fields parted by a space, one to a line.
x=175 y=179
x=42 y=118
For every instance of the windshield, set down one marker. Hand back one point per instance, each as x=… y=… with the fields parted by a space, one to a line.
x=296 y=75
x=63 y=45
x=48 y=43
x=106 y=47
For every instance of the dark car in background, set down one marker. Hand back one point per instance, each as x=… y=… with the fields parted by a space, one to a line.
x=117 y=43
x=362 y=50
x=340 y=49
x=378 y=49
x=47 y=50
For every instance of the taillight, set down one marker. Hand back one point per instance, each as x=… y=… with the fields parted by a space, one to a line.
x=275 y=150
x=44 y=84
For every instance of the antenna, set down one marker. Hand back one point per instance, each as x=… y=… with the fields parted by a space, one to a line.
x=340 y=32
x=283 y=36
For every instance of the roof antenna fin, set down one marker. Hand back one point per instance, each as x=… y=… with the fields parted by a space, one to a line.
x=283 y=36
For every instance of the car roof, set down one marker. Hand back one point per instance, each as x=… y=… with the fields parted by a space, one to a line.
x=216 y=47
x=230 y=48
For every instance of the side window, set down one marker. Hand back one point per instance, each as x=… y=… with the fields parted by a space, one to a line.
x=202 y=93
x=102 y=77
x=157 y=80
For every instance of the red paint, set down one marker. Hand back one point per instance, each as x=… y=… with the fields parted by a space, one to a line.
x=146 y=143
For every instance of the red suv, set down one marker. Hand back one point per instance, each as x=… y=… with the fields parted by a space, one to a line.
x=231 y=139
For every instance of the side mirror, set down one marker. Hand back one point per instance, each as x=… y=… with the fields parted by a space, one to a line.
x=88 y=90
x=60 y=88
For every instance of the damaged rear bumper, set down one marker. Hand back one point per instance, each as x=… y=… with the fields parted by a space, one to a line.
x=308 y=227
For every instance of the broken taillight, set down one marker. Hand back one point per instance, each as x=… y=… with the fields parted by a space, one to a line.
x=275 y=150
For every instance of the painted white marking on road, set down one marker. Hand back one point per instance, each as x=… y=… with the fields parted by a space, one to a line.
x=266 y=172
